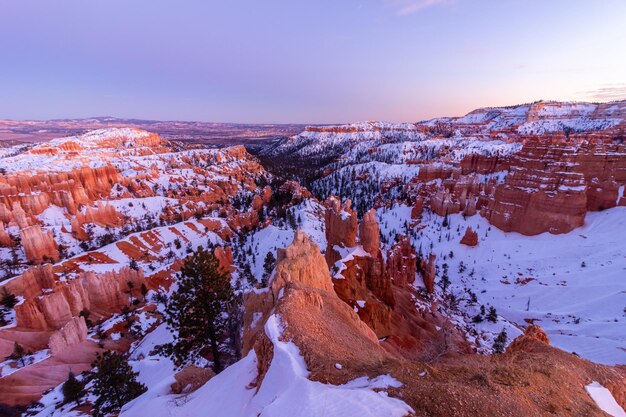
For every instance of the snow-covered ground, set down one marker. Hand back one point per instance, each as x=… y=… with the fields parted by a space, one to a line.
x=285 y=391
x=573 y=285
x=605 y=400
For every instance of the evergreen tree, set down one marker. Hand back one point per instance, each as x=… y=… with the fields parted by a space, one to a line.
x=198 y=311
x=445 y=222
x=133 y=264
x=114 y=383
x=445 y=280
x=268 y=266
x=499 y=345
x=73 y=389
x=493 y=315
x=144 y=291
x=8 y=300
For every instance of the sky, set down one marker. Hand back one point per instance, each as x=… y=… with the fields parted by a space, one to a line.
x=304 y=61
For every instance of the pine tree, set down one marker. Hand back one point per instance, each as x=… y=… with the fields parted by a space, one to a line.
x=268 y=266
x=133 y=264
x=73 y=389
x=499 y=345
x=445 y=280
x=445 y=222
x=493 y=315
x=114 y=383
x=8 y=300
x=197 y=312
x=144 y=291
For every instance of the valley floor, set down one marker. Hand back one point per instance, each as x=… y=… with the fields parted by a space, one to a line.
x=572 y=284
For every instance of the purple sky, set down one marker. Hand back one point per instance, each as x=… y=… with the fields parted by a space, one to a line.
x=308 y=61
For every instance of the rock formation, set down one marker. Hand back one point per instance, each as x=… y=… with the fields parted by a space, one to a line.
x=322 y=326
x=302 y=262
x=39 y=246
x=369 y=233
x=553 y=184
x=341 y=227
x=101 y=294
x=470 y=238
x=190 y=379
x=429 y=273
x=401 y=260
x=72 y=333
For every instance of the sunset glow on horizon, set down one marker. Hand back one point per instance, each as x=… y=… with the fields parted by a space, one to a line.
x=304 y=62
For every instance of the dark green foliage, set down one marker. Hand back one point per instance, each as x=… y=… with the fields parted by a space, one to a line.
x=144 y=291
x=8 y=300
x=499 y=345
x=133 y=264
x=493 y=315
x=73 y=389
x=196 y=312
x=268 y=266
x=445 y=280
x=86 y=313
x=114 y=383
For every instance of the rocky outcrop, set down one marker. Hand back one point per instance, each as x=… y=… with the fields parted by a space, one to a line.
x=470 y=238
x=33 y=282
x=101 y=294
x=532 y=333
x=39 y=245
x=225 y=258
x=190 y=379
x=428 y=268
x=401 y=267
x=5 y=239
x=553 y=183
x=302 y=262
x=103 y=215
x=341 y=227
x=364 y=285
x=72 y=333
x=418 y=208
x=369 y=233
x=320 y=324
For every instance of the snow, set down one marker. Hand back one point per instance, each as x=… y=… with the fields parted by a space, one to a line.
x=10 y=366
x=53 y=216
x=605 y=400
x=285 y=391
x=346 y=255
x=537 y=277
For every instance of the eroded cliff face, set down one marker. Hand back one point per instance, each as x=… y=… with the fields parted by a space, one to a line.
x=100 y=294
x=553 y=184
x=341 y=227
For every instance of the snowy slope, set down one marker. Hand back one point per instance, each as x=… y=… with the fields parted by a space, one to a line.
x=540 y=277
x=285 y=391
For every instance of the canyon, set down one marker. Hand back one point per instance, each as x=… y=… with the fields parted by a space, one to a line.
x=401 y=254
